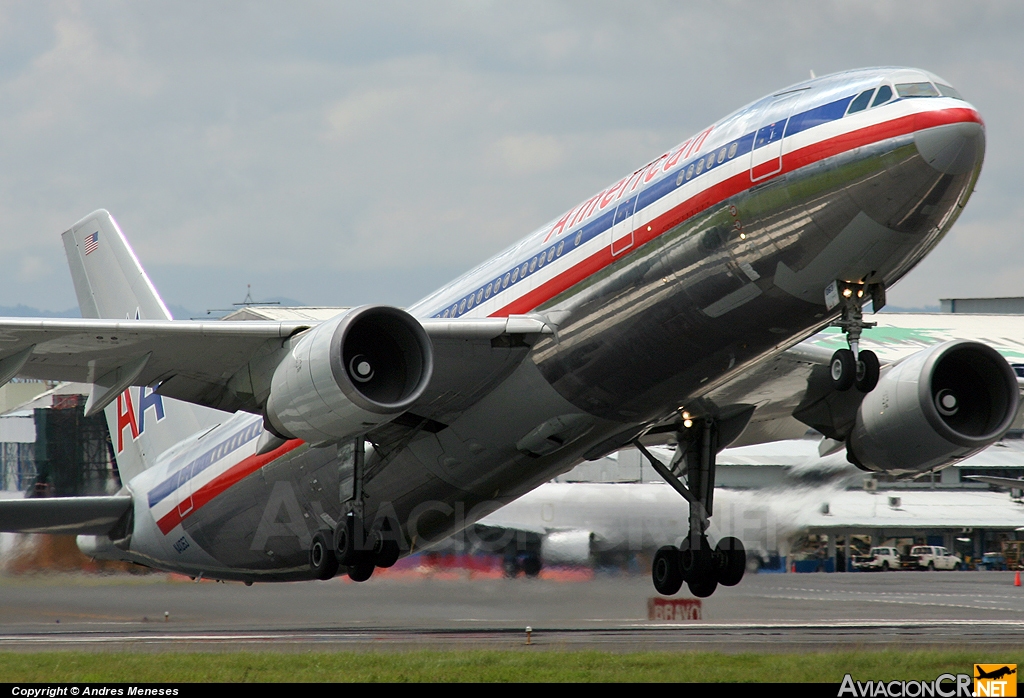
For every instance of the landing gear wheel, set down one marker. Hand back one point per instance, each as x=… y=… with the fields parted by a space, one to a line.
x=531 y=565
x=843 y=368
x=867 y=371
x=732 y=561
x=345 y=541
x=703 y=588
x=361 y=571
x=322 y=559
x=385 y=552
x=665 y=572
x=698 y=568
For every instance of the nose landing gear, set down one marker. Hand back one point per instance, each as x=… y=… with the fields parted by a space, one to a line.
x=853 y=367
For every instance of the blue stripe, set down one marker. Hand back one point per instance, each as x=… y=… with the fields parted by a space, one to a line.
x=214 y=455
x=816 y=116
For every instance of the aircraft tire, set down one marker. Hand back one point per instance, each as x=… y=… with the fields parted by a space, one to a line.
x=703 y=588
x=699 y=564
x=361 y=571
x=843 y=369
x=732 y=561
x=531 y=565
x=868 y=371
x=322 y=559
x=665 y=572
x=385 y=552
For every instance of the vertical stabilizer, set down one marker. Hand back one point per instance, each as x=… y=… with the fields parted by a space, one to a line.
x=110 y=283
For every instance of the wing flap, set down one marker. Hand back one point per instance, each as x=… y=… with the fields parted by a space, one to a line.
x=67 y=515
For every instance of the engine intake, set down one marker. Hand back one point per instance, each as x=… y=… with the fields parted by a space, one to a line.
x=936 y=407
x=345 y=376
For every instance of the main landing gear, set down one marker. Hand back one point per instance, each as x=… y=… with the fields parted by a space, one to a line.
x=853 y=367
x=360 y=550
x=695 y=562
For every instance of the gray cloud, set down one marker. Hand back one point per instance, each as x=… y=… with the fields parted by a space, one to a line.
x=356 y=152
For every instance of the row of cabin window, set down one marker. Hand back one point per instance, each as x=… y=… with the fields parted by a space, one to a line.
x=511 y=277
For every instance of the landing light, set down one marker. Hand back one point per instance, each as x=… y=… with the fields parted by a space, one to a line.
x=687 y=423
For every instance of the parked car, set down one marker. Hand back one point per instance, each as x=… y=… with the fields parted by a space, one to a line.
x=931 y=557
x=992 y=561
x=879 y=559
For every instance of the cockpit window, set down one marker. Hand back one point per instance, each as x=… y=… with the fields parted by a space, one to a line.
x=860 y=103
x=916 y=89
x=883 y=96
x=947 y=91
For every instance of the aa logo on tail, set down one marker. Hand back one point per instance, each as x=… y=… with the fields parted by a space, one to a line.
x=995 y=680
x=132 y=418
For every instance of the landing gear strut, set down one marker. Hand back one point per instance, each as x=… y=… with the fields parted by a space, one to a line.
x=853 y=367
x=695 y=562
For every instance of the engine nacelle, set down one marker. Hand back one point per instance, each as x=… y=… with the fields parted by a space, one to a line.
x=566 y=548
x=936 y=407
x=349 y=374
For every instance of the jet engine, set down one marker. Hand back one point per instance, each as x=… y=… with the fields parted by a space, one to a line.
x=566 y=547
x=349 y=374
x=936 y=407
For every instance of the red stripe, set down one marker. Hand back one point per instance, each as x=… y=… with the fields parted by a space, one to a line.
x=740 y=182
x=229 y=477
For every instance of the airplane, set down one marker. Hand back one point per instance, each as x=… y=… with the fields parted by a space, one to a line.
x=656 y=311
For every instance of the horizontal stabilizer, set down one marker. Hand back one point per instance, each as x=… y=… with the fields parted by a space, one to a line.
x=67 y=515
x=1011 y=482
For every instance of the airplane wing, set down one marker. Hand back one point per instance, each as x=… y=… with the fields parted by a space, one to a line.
x=206 y=362
x=67 y=515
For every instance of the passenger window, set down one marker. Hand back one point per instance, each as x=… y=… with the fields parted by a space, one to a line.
x=551 y=253
x=462 y=306
x=883 y=96
x=700 y=166
x=860 y=102
x=504 y=283
x=689 y=172
x=711 y=160
x=721 y=155
x=479 y=295
x=470 y=299
x=533 y=265
x=487 y=291
x=579 y=236
x=558 y=251
x=732 y=149
x=916 y=89
x=515 y=274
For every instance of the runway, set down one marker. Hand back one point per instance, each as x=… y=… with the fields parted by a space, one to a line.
x=767 y=612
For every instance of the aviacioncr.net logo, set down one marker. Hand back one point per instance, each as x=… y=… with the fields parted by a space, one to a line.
x=945 y=686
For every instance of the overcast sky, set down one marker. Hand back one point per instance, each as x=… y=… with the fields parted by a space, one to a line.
x=340 y=153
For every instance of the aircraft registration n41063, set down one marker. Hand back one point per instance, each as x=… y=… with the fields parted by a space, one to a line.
x=669 y=307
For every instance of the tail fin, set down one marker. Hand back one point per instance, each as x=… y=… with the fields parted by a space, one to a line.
x=110 y=283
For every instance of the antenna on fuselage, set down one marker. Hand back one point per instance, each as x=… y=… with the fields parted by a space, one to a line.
x=813 y=76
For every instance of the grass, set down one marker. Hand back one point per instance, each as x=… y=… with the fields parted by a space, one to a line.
x=491 y=666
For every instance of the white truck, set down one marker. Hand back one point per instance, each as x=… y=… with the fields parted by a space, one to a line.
x=879 y=559
x=931 y=557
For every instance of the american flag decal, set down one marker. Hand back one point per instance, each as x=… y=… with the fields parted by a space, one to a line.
x=92 y=242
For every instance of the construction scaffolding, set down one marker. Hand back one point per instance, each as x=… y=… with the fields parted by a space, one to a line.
x=73 y=455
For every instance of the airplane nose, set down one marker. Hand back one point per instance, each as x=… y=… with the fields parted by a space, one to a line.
x=952 y=148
